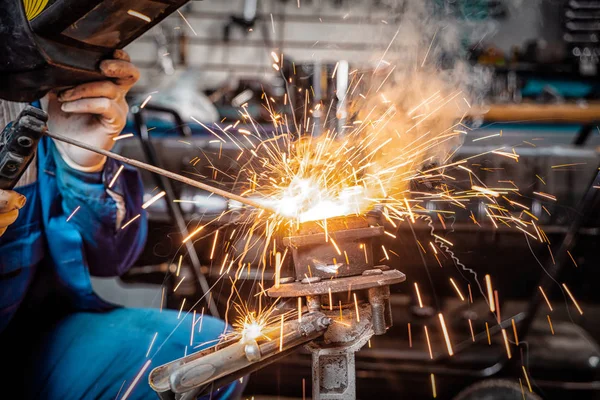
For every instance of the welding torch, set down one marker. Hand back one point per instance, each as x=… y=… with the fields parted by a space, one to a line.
x=202 y=372
x=19 y=140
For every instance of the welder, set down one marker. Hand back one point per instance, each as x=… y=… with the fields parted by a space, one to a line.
x=60 y=225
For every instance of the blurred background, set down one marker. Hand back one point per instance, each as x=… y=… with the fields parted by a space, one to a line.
x=536 y=64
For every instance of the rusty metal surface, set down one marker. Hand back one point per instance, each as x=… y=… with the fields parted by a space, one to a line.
x=340 y=253
x=354 y=283
x=333 y=356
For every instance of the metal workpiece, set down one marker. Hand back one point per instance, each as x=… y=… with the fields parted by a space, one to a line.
x=346 y=249
x=190 y=375
x=354 y=283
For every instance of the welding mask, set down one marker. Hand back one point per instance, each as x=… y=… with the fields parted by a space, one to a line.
x=48 y=44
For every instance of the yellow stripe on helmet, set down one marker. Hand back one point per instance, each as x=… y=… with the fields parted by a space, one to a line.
x=34 y=7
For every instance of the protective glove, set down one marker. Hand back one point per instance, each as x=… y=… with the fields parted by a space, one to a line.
x=93 y=112
x=10 y=204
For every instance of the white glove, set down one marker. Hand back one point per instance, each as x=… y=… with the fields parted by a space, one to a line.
x=10 y=204
x=93 y=112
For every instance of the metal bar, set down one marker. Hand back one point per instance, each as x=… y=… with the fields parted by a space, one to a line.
x=160 y=171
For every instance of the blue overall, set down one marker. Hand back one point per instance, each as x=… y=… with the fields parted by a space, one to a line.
x=58 y=339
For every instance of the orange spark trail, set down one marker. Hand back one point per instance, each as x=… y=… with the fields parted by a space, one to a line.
x=428 y=342
x=418 y=295
x=545 y=298
x=508 y=353
x=573 y=299
x=446 y=336
x=490 y=291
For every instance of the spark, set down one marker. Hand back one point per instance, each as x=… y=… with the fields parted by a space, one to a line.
x=566 y=165
x=497 y=307
x=540 y=178
x=444 y=240
x=428 y=342
x=356 y=306
x=550 y=323
x=181 y=308
x=545 y=298
x=281 y=335
x=409 y=336
x=527 y=379
x=277 y=269
x=524 y=231
x=179 y=265
x=427 y=53
x=272 y=23
x=486 y=191
x=446 y=336
x=192 y=330
x=73 y=213
x=299 y=309
x=470 y=293
x=178 y=284
x=191 y=235
x=387 y=257
x=337 y=249
x=124 y=136
x=514 y=326
x=162 y=298
x=212 y=250
x=146 y=101
x=462 y=298
x=115 y=177
x=335 y=69
x=546 y=195
x=487 y=329
x=471 y=329
x=506 y=344
x=139 y=15
x=572 y=259
x=188 y=24
x=573 y=299
x=418 y=295
x=330 y=300
x=488 y=283
x=154 y=199
x=433 y=390
x=151 y=344
x=485 y=137
x=136 y=380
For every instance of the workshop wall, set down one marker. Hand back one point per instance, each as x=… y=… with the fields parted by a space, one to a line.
x=319 y=30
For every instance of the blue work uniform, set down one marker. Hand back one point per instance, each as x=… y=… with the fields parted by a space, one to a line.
x=58 y=339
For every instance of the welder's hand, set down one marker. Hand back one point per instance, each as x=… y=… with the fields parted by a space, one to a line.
x=93 y=112
x=10 y=204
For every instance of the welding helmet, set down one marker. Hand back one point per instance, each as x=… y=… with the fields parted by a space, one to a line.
x=47 y=44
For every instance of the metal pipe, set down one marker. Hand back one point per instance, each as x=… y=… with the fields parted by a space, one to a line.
x=160 y=171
